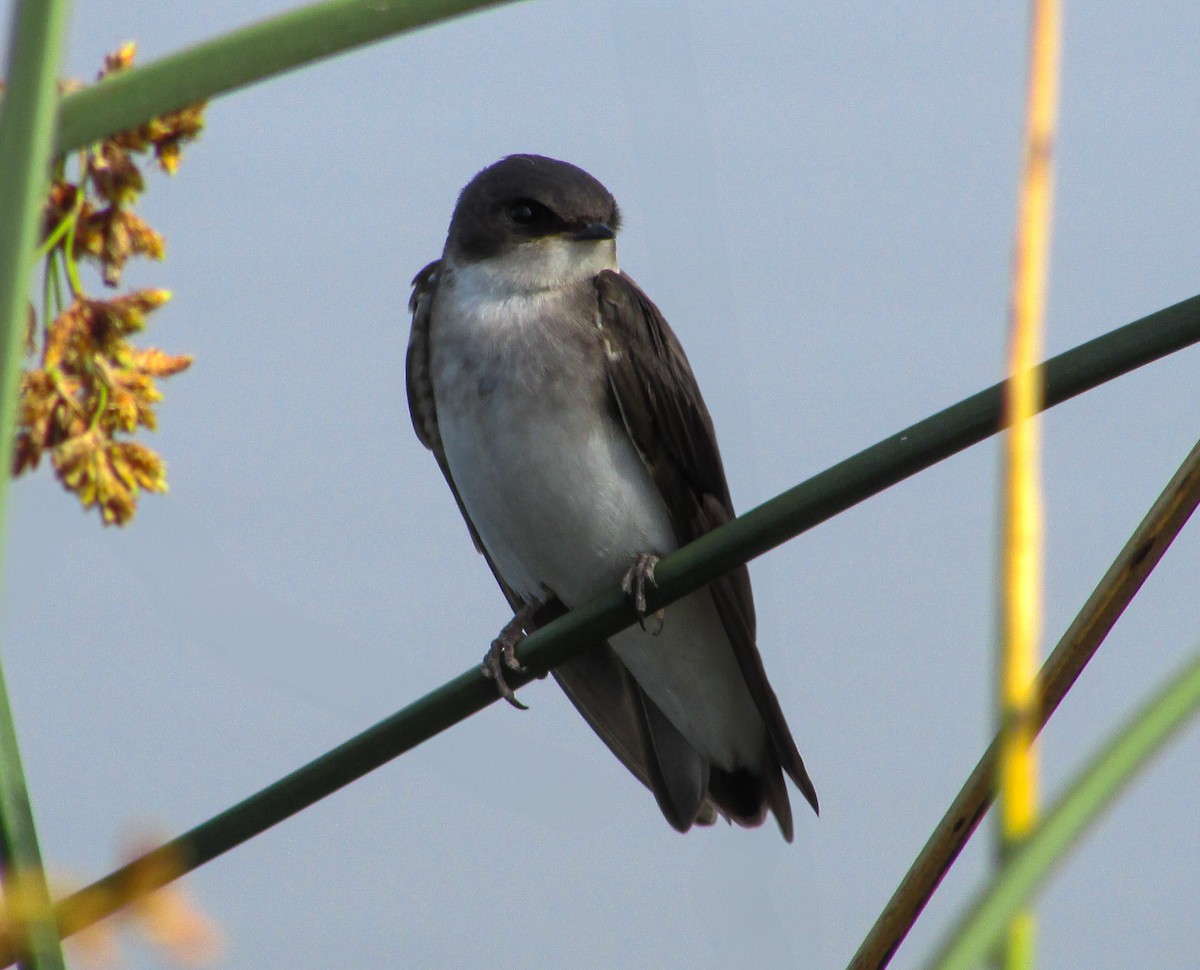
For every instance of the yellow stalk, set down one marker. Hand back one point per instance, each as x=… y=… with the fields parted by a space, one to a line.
x=1021 y=596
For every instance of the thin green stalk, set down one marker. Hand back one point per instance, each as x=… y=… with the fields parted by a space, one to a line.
x=26 y=133
x=240 y=58
x=1115 y=591
x=1096 y=787
x=771 y=524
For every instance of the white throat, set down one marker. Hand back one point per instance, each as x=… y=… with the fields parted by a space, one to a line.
x=552 y=263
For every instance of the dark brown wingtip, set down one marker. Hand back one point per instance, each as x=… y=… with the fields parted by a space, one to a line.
x=775 y=790
x=681 y=824
x=799 y=775
x=785 y=826
x=677 y=774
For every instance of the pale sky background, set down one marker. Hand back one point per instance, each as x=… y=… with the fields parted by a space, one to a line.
x=820 y=197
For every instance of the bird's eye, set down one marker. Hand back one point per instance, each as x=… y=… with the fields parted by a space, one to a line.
x=522 y=213
x=532 y=216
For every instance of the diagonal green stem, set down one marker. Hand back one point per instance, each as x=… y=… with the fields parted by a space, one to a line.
x=1137 y=559
x=867 y=473
x=1103 y=779
x=26 y=132
x=240 y=58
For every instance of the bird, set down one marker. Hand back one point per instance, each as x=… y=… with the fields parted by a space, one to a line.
x=568 y=424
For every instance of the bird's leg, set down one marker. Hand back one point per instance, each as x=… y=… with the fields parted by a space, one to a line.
x=634 y=585
x=502 y=653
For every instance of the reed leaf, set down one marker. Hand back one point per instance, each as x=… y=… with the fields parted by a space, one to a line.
x=26 y=133
x=241 y=58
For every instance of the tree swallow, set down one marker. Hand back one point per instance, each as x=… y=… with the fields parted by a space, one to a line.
x=566 y=419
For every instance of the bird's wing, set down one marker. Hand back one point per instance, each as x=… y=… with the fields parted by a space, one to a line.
x=660 y=405
x=649 y=745
x=596 y=681
x=421 y=406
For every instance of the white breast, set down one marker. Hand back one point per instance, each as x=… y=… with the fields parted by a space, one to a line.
x=550 y=479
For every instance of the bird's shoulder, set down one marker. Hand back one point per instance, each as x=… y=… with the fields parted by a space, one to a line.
x=659 y=402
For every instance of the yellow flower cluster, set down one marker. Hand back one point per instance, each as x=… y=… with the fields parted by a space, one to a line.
x=90 y=384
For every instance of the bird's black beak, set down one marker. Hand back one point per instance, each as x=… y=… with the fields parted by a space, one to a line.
x=596 y=230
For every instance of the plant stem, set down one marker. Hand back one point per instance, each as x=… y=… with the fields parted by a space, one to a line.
x=26 y=132
x=1022 y=524
x=242 y=57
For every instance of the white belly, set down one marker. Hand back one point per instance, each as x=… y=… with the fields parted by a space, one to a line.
x=559 y=497
x=563 y=503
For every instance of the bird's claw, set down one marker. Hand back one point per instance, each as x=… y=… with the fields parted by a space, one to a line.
x=634 y=586
x=502 y=656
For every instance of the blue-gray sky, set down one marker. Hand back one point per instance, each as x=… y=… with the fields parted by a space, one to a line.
x=820 y=197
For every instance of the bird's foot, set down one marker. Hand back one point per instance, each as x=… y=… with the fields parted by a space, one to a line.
x=634 y=585
x=502 y=654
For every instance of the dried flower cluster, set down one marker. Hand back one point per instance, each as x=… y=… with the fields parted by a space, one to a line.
x=91 y=385
x=147 y=901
